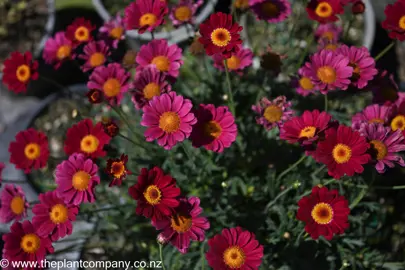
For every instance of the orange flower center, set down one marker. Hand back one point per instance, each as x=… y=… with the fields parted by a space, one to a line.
x=401 y=22
x=151 y=90
x=326 y=74
x=112 y=87
x=233 y=63
x=234 y=257
x=306 y=83
x=23 y=73
x=81 y=180
x=331 y=47
x=273 y=113
x=221 y=37
x=329 y=35
x=89 y=144
x=161 y=62
x=63 y=52
x=17 y=205
x=183 y=13
x=148 y=19
x=30 y=243
x=341 y=153
x=324 y=10
x=380 y=149
x=116 y=32
x=269 y=9
x=97 y=59
x=322 y=213
x=82 y=34
x=356 y=69
x=32 y=151
x=59 y=214
x=376 y=120
x=308 y=132
x=152 y=195
x=241 y=4
x=169 y=122
x=118 y=169
x=181 y=223
x=213 y=129
x=398 y=123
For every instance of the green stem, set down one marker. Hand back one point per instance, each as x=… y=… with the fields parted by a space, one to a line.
x=383 y=52
x=161 y=256
x=52 y=82
x=105 y=209
x=208 y=69
x=202 y=256
x=124 y=119
x=231 y=103
x=309 y=41
x=285 y=191
x=130 y=140
x=326 y=102
x=291 y=167
x=188 y=154
x=324 y=184
x=347 y=30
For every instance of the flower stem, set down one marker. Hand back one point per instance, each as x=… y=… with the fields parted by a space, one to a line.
x=308 y=41
x=202 y=256
x=161 y=256
x=383 y=52
x=326 y=102
x=324 y=184
x=130 y=140
x=281 y=194
x=231 y=103
x=347 y=30
x=124 y=119
x=291 y=167
x=51 y=82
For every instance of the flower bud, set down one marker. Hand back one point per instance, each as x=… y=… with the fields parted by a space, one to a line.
x=358 y=7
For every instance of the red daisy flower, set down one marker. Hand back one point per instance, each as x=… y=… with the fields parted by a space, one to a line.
x=18 y=70
x=87 y=139
x=30 y=150
x=220 y=35
x=324 y=11
x=324 y=213
x=111 y=128
x=117 y=168
x=79 y=31
x=145 y=15
x=234 y=248
x=394 y=22
x=343 y=151
x=156 y=194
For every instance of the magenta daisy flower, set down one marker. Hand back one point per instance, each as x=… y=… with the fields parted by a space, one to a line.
x=363 y=64
x=240 y=60
x=273 y=113
x=53 y=217
x=95 y=54
x=165 y=58
x=184 y=11
x=57 y=49
x=112 y=80
x=184 y=225
x=145 y=15
x=329 y=31
x=113 y=30
x=215 y=129
x=272 y=11
x=148 y=84
x=302 y=84
x=328 y=71
x=373 y=114
x=168 y=119
x=14 y=205
x=385 y=145
x=76 y=179
x=325 y=44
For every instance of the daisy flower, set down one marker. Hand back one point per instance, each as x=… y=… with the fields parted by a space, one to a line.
x=76 y=179
x=325 y=44
x=272 y=61
x=241 y=4
x=324 y=212
x=156 y=194
x=373 y=114
x=394 y=22
x=29 y=150
x=111 y=128
x=53 y=217
x=302 y=84
x=79 y=31
x=384 y=88
x=117 y=169
x=196 y=48
x=343 y=151
x=113 y=30
x=358 y=7
x=273 y=113
x=329 y=31
x=184 y=225
x=324 y=11
x=272 y=11
x=398 y=119
x=168 y=119
x=234 y=248
x=95 y=96
x=95 y=54
x=215 y=129
x=14 y=205
x=112 y=80
x=57 y=50
x=237 y=62
x=184 y=11
x=145 y=15
x=87 y=139
x=219 y=34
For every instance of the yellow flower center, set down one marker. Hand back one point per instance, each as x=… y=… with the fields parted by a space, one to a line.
x=81 y=180
x=63 y=52
x=162 y=63
x=233 y=63
x=324 y=10
x=183 y=13
x=118 y=169
x=23 y=73
x=341 y=153
x=221 y=37
x=380 y=149
x=148 y=19
x=241 y=4
x=59 y=214
x=308 y=132
x=82 y=34
x=326 y=74
x=322 y=213
x=116 y=32
x=112 y=87
x=32 y=151
x=398 y=123
x=269 y=9
x=212 y=129
x=331 y=47
x=306 y=83
x=152 y=195
x=328 y=35
x=97 y=59
x=89 y=144
x=181 y=223
x=234 y=257
x=273 y=113
x=169 y=122
x=401 y=22
x=151 y=90
x=17 y=205
x=376 y=120
x=30 y=243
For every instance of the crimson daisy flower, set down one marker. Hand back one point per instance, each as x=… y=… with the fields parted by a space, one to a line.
x=117 y=168
x=184 y=225
x=394 y=22
x=343 y=151
x=53 y=217
x=145 y=15
x=14 y=205
x=95 y=54
x=219 y=34
x=57 y=50
x=156 y=194
x=111 y=128
x=324 y=11
x=273 y=113
x=18 y=70
x=30 y=150
x=79 y=31
x=85 y=138
x=23 y=244
x=234 y=248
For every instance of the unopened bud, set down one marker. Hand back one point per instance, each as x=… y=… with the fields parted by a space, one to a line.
x=358 y=7
x=286 y=235
x=161 y=239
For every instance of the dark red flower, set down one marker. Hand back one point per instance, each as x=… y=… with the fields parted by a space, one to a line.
x=358 y=7
x=111 y=128
x=79 y=31
x=19 y=69
x=384 y=88
x=324 y=11
x=145 y=15
x=95 y=96
x=117 y=168
x=394 y=22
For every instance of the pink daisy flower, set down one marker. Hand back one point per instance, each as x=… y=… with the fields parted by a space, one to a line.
x=237 y=62
x=14 y=205
x=95 y=54
x=325 y=44
x=112 y=80
x=165 y=58
x=363 y=64
x=168 y=119
x=272 y=11
x=53 y=217
x=2 y=166
x=302 y=84
x=328 y=71
x=373 y=114
x=215 y=129
x=184 y=225
x=148 y=84
x=385 y=145
x=113 y=30
x=57 y=49
x=273 y=113
x=329 y=31
x=184 y=11
x=76 y=179
x=145 y=15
